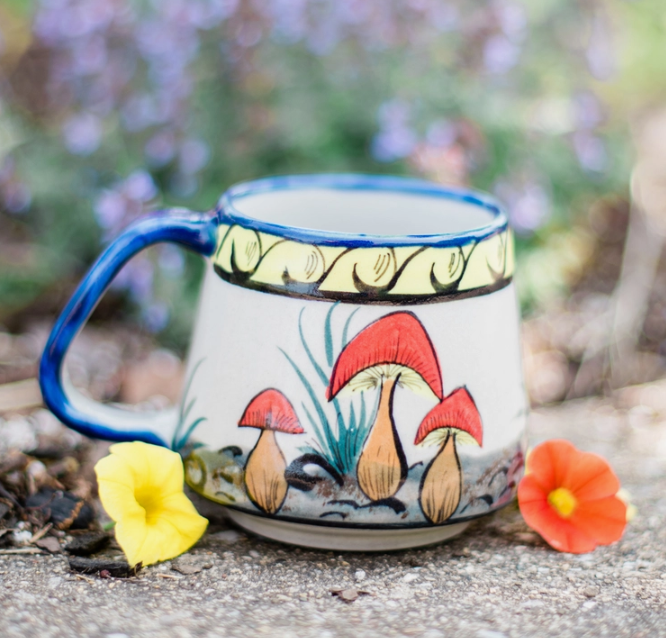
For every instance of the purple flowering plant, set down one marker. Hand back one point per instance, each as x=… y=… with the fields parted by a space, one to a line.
x=111 y=108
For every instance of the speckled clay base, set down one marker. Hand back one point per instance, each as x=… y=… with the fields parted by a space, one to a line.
x=344 y=539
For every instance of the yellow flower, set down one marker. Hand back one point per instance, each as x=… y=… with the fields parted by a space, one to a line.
x=141 y=489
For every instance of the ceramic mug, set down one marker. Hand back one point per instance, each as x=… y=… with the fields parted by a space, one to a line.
x=354 y=377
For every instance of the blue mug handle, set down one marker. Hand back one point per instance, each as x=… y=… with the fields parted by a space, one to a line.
x=194 y=231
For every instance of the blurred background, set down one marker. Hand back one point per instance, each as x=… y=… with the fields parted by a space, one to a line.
x=111 y=108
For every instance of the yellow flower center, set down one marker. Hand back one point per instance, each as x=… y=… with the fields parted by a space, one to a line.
x=151 y=504
x=563 y=502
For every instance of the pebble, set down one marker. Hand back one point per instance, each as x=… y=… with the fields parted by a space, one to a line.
x=50 y=544
x=359 y=575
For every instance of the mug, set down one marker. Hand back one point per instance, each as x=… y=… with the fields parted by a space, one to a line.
x=354 y=378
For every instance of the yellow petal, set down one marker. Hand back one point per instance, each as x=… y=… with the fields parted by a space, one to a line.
x=152 y=465
x=141 y=488
x=116 y=487
x=179 y=511
x=164 y=534
x=131 y=534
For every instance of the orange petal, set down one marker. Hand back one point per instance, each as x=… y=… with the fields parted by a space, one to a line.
x=605 y=519
x=590 y=477
x=530 y=491
x=549 y=463
x=558 y=532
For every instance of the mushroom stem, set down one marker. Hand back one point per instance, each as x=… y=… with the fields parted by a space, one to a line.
x=264 y=474
x=441 y=484
x=382 y=466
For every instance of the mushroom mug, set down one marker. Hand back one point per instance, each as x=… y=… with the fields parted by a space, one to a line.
x=354 y=378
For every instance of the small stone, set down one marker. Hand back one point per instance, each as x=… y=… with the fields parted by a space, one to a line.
x=50 y=544
x=410 y=578
x=54 y=582
x=191 y=564
x=359 y=575
x=348 y=595
x=21 y=536
x=489 y=633
x=590 y=592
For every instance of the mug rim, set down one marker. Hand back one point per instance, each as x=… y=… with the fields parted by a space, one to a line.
x=229 y=214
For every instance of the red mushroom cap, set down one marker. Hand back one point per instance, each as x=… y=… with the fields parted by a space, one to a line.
x=398 y=338
x=271 y=410
x=457 y=411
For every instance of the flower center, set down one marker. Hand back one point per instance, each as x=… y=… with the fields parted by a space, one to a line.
x=563 y=502
x=150 y=503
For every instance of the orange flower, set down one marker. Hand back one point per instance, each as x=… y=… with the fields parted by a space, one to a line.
x=569 y=497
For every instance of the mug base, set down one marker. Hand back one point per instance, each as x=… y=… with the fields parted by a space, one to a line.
x=344 y=539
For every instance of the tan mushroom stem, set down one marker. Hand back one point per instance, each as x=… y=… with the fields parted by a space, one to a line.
x=382 y=466
x=264 y=474
x=441 y=484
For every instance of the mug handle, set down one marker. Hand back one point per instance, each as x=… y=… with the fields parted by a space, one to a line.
x=116 y=423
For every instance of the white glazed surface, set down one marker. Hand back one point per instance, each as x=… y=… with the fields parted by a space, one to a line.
x=238 y=350
x=239 y=334
x=341 y=539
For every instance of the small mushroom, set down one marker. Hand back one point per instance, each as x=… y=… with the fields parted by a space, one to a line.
x=455 y=420
x=264 y=478
x=393 y=351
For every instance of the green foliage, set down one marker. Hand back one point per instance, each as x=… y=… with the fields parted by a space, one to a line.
x=341 y=444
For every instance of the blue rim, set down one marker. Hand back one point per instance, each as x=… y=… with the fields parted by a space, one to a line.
x=229 y=214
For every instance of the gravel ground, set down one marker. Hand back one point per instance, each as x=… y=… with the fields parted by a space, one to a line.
x=498 y=579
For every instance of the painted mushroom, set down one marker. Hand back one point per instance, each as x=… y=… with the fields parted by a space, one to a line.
x=393 y=351
x=264 y=478
x=454 y=421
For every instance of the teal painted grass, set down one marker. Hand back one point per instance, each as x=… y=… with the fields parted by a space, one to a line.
x=184 y=429
x=339 y=440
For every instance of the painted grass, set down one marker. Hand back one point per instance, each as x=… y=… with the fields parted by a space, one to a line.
x=340 y=440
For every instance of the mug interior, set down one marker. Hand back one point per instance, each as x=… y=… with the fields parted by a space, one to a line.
x=370 y=205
